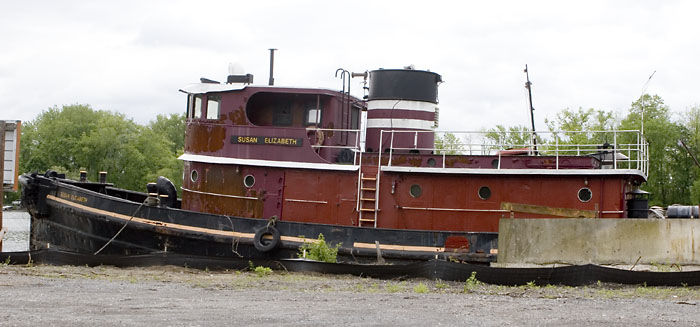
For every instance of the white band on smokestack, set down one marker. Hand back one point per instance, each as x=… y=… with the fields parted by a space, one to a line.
x=401 y=105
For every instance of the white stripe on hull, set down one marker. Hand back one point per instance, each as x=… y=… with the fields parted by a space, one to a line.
x=265 y=163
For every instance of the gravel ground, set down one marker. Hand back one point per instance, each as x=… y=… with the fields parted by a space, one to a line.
x=174 y=296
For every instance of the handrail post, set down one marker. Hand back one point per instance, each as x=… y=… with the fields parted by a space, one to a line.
x=556 y=151
x=391 y=148
x=614 y=154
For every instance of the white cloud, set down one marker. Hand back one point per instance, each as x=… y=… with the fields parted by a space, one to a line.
x=132 y=57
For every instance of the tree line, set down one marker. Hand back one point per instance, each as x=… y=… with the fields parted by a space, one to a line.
x=77 y=137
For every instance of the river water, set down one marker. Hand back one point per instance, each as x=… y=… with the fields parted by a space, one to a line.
x=17 y=235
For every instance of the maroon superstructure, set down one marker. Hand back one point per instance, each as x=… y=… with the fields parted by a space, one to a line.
x=297 y=154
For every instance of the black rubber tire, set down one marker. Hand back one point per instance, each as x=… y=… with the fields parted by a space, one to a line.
x=266 y=245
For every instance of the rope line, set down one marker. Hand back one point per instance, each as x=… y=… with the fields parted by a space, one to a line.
x=120 y=230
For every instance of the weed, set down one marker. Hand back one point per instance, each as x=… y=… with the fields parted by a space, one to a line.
x=319 y=250
x=471 y=283
x=7 y=261
x=531 y=284
x=440 y=285
x=421 y=288
x=393 y=288
x=262 y=271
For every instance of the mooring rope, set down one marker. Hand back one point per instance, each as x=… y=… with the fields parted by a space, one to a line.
x=120 y=230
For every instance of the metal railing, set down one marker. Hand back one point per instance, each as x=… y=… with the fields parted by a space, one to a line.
x=326 y=133
x=616 y=149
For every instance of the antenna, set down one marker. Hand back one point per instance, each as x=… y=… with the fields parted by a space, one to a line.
x=528 y=86
x=644 y=89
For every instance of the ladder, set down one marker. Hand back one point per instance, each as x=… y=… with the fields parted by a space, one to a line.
x=368 y=196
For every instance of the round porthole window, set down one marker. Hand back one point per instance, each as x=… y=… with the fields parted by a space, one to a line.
x=431 y=162
x=415 y=190
x=585 y=194
x=194 y=176
x=484 y=192
x=494 y=163
x=249 y=181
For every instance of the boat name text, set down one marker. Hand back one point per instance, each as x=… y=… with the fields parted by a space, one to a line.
x=266 y=140
x=72 y=197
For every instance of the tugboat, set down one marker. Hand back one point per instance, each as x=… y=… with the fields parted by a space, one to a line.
x=267 y=168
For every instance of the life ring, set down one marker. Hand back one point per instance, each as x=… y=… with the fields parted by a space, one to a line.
x=266 y=239
x=316 y=137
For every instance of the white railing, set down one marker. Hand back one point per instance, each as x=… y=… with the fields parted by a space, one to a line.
x=623 y=149
x=325 y=133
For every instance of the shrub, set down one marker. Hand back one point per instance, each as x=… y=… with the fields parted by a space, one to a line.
x=319 y=250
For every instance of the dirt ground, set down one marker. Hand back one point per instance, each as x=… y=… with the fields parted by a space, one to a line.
x=175 y=296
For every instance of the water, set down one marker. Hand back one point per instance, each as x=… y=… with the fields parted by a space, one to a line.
x=17 y=235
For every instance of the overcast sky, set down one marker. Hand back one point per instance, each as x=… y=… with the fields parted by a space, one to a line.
x=133 y=56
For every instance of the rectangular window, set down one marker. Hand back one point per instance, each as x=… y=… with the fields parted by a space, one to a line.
x=197 y=106
x=355 y=118
x=313 y=116
x=189 y=106
x=213 y=104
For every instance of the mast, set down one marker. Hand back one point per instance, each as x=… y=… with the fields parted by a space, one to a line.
x=528 y=86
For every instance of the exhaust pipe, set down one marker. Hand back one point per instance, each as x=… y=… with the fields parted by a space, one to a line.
x=272 y=67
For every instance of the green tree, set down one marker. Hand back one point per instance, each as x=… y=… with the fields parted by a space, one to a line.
x=172 y=127
x=77 y=137
x=691 y=122
x=669 y=174
x=579 y=126
x=510 y=137
x=449 y=144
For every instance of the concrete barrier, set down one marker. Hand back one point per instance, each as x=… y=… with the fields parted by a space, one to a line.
x=599 y=241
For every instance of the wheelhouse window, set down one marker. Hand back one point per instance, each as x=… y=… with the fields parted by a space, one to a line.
x=197 y=107
x=313 y=116
x=213 y=105
x=190 y=99
x=355 y=118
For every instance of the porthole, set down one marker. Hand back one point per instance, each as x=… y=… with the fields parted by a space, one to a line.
x=194 y=176
x=249 y=181
x=431 y=162
x=494 y=163
x=484 y=192
x=585 y=194
x=416 y=190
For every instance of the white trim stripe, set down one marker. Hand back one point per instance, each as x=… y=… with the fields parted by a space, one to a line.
x=401 y=105
x=491 y=171
x=265 y=163
x=400 y=123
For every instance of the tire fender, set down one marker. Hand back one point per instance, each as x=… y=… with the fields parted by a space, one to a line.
x=266 y=239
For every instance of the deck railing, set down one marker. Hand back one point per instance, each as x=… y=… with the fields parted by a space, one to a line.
x=617 y=149
x=353 y=142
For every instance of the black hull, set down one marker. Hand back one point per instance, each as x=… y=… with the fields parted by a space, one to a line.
x=83 y=217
